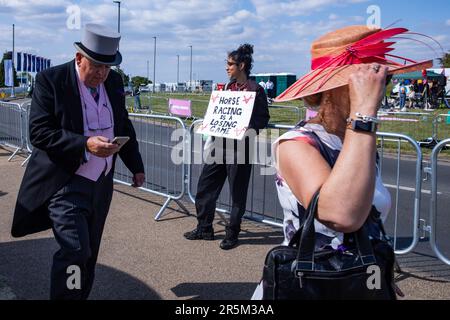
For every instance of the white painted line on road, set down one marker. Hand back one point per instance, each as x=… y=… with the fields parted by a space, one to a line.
x=407 y=188
x=156 y=144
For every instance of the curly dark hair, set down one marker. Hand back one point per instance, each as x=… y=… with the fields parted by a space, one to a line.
x=243 y=54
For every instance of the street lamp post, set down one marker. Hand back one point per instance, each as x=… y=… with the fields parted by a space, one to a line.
x=154 y=65
x=118 y=15
x=118 y=21
x=178 y=68
x=13 y=91
x=190 y=73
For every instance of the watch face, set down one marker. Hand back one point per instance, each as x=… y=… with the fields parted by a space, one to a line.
x=363 y=126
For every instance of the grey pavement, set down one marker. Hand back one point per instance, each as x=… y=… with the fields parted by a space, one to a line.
x=144 y=259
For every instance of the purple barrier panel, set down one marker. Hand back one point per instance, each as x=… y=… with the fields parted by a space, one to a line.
x=180 y=107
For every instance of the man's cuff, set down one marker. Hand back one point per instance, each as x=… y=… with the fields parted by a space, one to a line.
x=85 y=156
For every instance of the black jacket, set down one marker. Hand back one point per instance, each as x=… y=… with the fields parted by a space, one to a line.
x=56 y=133
x=260 y=115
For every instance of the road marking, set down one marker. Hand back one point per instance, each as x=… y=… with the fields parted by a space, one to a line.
x=156 y=144
x=407 y=188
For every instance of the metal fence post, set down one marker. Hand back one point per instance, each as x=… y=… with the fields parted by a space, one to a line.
x=433 y=201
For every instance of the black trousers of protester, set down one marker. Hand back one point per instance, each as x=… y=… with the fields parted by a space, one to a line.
x=211 y=182
x=78 y=212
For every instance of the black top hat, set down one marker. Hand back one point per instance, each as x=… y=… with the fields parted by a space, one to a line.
x=100 y=45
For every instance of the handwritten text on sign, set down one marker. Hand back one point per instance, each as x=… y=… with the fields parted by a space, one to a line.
x=228 y=114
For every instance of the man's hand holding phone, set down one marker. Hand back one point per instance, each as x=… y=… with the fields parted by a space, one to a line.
x=120 y=141
x=101 y=147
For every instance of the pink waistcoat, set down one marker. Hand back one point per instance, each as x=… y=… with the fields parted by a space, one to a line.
x=93 y=168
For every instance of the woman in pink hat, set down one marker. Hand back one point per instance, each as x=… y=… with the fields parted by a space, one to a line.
x=336 y=151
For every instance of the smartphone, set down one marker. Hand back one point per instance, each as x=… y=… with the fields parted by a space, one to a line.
x=120 y=141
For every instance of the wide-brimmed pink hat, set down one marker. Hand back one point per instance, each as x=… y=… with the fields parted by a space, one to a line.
x=336 y=55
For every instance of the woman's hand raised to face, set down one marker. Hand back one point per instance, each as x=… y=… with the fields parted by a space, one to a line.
x=367 y=89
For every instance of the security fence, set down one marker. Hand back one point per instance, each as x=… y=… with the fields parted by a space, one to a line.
x=262 y=201
x=156 y=145
x=13 y=122
x=416 y=125
x=173 y=159
x=259 y=206
x=442 y=126
x=403 y=177
x=439 y=218
x=26 y=130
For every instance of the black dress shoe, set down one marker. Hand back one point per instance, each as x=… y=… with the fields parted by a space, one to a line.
x=228 y=243
x=198 y=234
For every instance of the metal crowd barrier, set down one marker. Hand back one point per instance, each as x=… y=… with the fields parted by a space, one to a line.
x=442 y=126
x=163 y=138
x=26 y=130
x=300 y=113
x=259 y=207
x=417 y=125
x=263 y=204
x=163 y=177
x=434 y=210
x=391 y=167
x=12 y=127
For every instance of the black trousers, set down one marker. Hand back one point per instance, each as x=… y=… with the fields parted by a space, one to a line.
x=78 y=212
x=211 y=182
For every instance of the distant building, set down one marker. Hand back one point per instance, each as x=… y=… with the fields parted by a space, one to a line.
x=281 y=81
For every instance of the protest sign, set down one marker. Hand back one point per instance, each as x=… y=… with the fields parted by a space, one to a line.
x=228 y=114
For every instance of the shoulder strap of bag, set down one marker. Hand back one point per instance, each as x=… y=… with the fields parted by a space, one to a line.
x=306 y=245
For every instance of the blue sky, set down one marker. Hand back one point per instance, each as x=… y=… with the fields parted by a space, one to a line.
x=281 y=31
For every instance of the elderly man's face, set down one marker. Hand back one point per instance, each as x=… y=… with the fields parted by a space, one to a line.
x=91 y=73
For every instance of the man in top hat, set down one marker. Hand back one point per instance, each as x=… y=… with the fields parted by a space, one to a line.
x=77 y=110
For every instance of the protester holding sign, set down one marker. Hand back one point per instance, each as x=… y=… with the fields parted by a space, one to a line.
x=229 y=164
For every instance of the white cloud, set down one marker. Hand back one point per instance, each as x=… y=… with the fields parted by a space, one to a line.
x=313 y=29
x=333 y=16
x=266 y=9
x=447 y=22
x=281 y=31
x=23 y=8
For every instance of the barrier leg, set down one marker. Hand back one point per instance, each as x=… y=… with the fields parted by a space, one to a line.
x=14 y=154
x=160 y=212
x=26 y=160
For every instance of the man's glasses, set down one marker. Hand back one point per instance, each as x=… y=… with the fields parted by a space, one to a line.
x=100 y=119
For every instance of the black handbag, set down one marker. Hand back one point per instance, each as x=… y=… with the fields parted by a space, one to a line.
x=364 y=270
